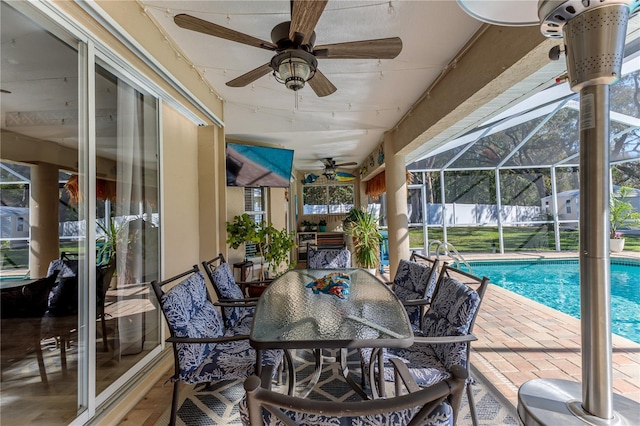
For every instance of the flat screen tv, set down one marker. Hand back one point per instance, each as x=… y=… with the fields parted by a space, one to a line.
x=256 y=166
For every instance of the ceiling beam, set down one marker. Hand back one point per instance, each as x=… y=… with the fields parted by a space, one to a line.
x=500 y=66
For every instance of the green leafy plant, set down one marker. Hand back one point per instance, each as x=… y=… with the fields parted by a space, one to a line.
x=621 y=213
x=273 y=245
x=363 y=228
x=114 y=234
x=279 y=246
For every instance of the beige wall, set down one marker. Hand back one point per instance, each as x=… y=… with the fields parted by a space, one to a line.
x=180 y=193
x=212 y=191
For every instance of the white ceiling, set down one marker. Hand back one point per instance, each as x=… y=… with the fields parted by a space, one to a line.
x=371 y=95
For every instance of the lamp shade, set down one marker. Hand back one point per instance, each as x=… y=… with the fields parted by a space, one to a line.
x=294 y=68
x=294 y=72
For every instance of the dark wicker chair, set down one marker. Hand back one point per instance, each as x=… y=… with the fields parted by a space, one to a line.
x=204 y=351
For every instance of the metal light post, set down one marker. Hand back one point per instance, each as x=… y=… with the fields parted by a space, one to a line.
x=594 y=34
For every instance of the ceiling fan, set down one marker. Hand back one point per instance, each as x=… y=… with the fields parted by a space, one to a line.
x=295 y=62
x=330 y=166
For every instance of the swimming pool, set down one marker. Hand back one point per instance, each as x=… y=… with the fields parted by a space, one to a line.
x=556 y=283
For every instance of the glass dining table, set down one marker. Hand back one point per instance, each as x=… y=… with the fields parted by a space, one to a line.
x=298 y=310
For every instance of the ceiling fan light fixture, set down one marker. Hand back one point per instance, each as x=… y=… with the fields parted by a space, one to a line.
x=294 y=68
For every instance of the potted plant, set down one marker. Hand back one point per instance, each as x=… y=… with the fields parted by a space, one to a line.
x=363 y=228
x=322 y=225
x=273 y=245
x=278 y=250
x=621 y=213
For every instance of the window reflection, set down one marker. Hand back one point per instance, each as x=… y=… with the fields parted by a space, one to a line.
x=48 y=267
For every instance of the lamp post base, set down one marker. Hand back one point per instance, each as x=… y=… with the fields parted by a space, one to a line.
x=555 y=402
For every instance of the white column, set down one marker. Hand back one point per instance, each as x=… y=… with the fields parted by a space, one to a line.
x=397 y=216
x=43 y=218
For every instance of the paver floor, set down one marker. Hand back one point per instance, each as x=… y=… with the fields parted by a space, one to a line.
x=519 y=340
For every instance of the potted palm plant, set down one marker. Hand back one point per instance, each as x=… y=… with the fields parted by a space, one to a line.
x=621 y=213
x=362 y=226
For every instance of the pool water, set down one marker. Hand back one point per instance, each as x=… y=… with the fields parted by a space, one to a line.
x=556 y=283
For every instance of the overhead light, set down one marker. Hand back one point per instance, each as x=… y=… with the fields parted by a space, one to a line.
x=294 y=68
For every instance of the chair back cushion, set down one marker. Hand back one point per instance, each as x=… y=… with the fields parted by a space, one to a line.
x=451 y=313
x=328 y=259
x=222 y=277
x=67 y=268
x=189 y=313
x=412 y=282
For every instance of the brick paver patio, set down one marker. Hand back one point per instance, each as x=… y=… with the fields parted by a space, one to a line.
x=519 y=340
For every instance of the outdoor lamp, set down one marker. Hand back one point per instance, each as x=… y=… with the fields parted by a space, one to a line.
x=294 y=68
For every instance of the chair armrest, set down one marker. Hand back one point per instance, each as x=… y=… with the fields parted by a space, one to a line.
x=235 y=302
x=266 y=375
x=445 y=339
x=402 y=373
x=253 y=283
x=174 y=339
x=416 y=302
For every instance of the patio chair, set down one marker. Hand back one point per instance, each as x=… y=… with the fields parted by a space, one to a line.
x=431 y=406
x=328 y=258
x=204 y=351
x=414 y=284
x=238 y=310
x=444 y=339
x=21 y=311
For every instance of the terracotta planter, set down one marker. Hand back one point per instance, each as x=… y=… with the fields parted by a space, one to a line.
x=616 y=245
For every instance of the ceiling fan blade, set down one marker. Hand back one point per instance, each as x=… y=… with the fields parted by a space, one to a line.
x=350 y=163
x=321 y=85
x=304 y=17
x=192 y=23
x=383 y=48
x=250 y=77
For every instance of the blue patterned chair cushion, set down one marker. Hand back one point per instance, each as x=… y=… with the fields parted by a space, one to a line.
x=66 y=270
x=190 y=314
x=223 y=279
x=451 y=312
x=328 y=259
x=410 y=282
x=441 y=416
x=229 y=360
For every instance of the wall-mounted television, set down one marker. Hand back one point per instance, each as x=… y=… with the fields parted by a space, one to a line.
x=256 y=166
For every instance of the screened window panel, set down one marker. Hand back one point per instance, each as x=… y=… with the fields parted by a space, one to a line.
x=492 y=149
x=555 y=141
x=341 y=198
x=314 y=200
x=525 y=187
x=414 y=205
x=623 y=95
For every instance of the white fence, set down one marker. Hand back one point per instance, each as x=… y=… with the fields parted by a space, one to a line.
x=476 y=214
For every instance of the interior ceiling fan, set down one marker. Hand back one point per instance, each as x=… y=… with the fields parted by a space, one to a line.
x=295 y=62
x=330 y=166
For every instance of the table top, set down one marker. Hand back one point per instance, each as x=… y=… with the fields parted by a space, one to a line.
x=7 y=283
x=291 y=316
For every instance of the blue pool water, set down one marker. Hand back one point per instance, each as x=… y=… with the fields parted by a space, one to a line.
x=556 y=283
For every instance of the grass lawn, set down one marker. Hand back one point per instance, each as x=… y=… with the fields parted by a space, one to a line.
x=483 y=239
